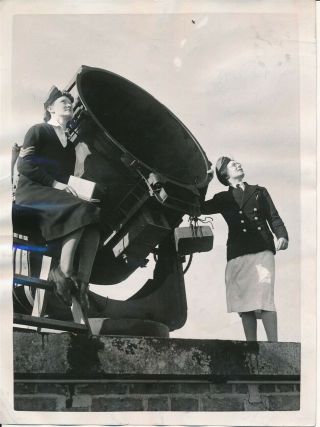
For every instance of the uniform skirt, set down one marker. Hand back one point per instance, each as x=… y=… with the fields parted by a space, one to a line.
x=250 y=282
x=56 y=212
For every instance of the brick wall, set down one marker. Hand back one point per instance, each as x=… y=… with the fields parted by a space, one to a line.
x=156 y=396
x=74 y=373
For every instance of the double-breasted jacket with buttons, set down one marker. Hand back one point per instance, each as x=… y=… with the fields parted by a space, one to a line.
x=250 y=218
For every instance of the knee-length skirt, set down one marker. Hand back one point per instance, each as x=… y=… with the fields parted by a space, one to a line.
x=56 y=212
x=250 y=282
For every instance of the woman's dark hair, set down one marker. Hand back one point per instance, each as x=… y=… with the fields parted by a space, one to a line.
x=221 y=170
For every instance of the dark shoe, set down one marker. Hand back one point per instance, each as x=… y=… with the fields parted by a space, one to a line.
x=61 y=285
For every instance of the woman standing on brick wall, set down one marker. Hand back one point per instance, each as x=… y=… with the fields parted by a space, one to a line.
x=249 y=212
x=45 y=163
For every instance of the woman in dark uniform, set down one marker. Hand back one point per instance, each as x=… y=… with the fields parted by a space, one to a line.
x=250 y=214
x=46 y=161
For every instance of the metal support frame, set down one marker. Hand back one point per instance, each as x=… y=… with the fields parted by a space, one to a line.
x=42 y=292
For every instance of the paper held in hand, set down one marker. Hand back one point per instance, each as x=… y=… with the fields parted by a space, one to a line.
x=83 y=188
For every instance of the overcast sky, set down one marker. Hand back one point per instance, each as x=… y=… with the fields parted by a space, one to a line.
x=232 y=79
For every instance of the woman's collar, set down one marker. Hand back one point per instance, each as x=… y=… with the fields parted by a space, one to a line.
x=55 y=123
x=242 y=185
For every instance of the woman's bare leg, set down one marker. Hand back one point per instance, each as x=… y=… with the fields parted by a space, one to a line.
x=69 y=247
x=270 y=323
x=87 y=252
x=249 y=322
x=60 y=276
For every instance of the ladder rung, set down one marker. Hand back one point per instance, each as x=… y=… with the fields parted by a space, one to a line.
x=44 y=322
x=31 y=248
x=32 y=281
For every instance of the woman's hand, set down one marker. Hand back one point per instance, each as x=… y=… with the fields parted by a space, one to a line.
x=71 y=190
x=64 y=187
x=282 y=244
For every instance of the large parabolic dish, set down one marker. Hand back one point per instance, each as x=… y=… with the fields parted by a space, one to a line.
x=139 y=124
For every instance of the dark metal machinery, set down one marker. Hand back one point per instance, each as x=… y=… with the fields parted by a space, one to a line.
x=149 y=172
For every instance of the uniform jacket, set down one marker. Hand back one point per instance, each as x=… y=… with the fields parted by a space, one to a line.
x=43 y=159
x=249 y=218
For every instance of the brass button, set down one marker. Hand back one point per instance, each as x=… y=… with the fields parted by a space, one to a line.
x=240 y=212
x=256 y=218
x=255 y=209
x=259 y=228
x=244 y=230
x=242 y=221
